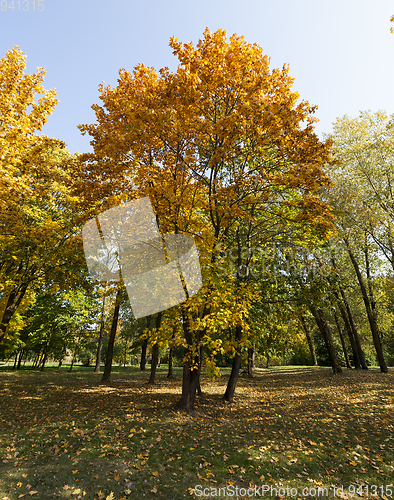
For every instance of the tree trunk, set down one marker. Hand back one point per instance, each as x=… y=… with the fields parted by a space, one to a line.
x=348 y=328
x=371 y=318
x=232 y=382
x=190 y=383
x=15 y=361
x=358 y=354
x=190 y=376
x=202 y=349
x=35 y=361
x=250 y=361
x=13 y=301
x=111 y=341
x=155 y=353
x=20 y=359
x=45 y=358
x=101 y=336
x=144 y=346
x=170 y=374
x=360 y=351
x=309 y=341
x=348 y=365
x=155 y=357
x=323 y=327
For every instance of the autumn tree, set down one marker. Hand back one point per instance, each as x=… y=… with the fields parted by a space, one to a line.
x=38 y=219
x=205 y=143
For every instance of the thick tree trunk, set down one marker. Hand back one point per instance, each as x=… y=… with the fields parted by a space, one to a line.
x=309 y=341
x=155 y=358
x=371 y=317
x=326 y=334
x=111 y=341
x=348 y=365
x=190 y=381
x=170 y=374
x=100 y=340
x=232 y=382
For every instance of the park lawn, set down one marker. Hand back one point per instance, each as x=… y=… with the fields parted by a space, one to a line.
x=65 y=435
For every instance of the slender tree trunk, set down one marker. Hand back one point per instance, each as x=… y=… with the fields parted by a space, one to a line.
x=232 y=382
x=323 y=327
x=354 y=331
x=155 y=352
x=371 y=318
x=40 y=361
x=347 y=316
x=111 y=341
x=202 y=349
x=100 y=340
x=125 y=353
x=60 y=364
x=190 y=376
x=170 y=374
x=348 y=365
x=72 y=363
x=144 y=346
x=250 y=361
x=35 y=361
x=15 y=361
x=309 y=340
x=346 y=322
x=20 y=359
x=45 y=357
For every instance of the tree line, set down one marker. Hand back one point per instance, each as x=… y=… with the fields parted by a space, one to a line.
x=294 y=233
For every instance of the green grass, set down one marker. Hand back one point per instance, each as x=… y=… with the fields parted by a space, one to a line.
x=65 y=435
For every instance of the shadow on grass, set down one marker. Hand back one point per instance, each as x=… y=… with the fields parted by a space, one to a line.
x=65 y=435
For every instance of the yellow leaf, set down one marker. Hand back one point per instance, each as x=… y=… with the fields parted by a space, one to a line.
x=155 y=473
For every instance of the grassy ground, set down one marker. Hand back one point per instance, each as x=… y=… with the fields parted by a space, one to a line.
x=65 y=435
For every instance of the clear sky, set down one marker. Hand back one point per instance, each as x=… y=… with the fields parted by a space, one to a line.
x=340 y=52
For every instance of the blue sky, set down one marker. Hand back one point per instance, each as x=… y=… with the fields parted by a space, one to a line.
x=340 y=52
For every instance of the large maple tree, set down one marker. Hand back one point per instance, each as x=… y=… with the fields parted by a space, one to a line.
x=221 y=134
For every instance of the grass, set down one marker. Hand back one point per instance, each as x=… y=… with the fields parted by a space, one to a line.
x=65 y=435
